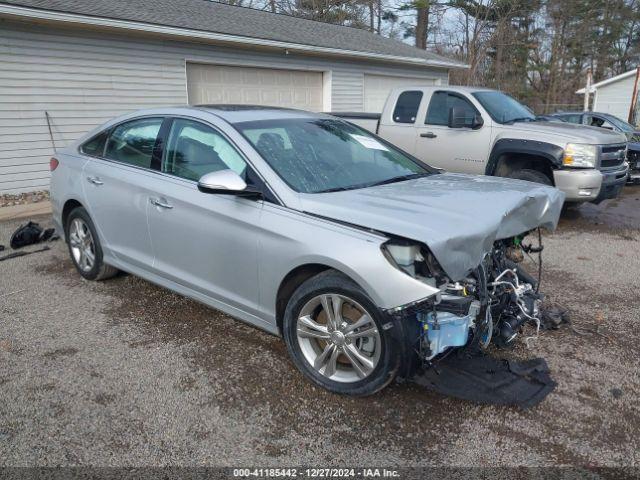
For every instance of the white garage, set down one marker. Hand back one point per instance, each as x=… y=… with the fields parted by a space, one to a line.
x=377 y=87
x=68 y=66
x=215 y=84
x=615 y=95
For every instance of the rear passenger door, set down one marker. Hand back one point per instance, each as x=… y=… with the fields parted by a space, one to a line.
x=402 y=129
x=116 y=184
x=455 y=149
x=205 y=242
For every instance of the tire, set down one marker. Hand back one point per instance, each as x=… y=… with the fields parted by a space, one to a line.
x=374 y=344
x=79 y=223
x=531 y=176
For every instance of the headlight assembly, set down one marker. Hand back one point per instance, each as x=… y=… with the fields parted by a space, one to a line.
x=580 y=155
x=414 y=259
x=403 y=255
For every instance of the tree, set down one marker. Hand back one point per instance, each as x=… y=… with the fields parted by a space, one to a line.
x=536 y=50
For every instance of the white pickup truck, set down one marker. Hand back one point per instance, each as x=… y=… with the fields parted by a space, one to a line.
x=482 y=131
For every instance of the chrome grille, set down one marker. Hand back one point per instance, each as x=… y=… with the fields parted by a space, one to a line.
x=612 y=155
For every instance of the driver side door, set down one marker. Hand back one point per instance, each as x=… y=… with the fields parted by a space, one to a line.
x=205 y=242
x=462 y=150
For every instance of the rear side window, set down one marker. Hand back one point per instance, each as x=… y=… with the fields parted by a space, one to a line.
x=572 y=118
x=132 y=142
x=441 y=103
x=95 y=146
x=407 y=107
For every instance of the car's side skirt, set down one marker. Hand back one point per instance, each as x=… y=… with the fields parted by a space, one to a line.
x=266 y=325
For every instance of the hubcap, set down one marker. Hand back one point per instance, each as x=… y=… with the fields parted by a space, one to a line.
x=82 y=245
x=338 y=338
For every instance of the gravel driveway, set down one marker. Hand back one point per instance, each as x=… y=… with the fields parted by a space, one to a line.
x=124 y=373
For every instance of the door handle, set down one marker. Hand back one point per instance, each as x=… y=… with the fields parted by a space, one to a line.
x=95 y=180
x=428 y=135
x=158 y=203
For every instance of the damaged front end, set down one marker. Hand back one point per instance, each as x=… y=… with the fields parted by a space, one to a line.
x=491 y=304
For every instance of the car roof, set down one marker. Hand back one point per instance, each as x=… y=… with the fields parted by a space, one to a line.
x=453 y=88
x=245 y=113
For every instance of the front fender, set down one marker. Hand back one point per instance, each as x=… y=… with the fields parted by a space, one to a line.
x=291 y=239
x=549 y=151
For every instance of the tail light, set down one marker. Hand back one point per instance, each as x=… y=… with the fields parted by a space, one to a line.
x=53 y=163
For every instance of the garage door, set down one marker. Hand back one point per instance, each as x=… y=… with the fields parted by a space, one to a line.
x=377 y=88
x=215 y=84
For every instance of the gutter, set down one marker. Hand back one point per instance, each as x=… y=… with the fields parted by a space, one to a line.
x=72 y=18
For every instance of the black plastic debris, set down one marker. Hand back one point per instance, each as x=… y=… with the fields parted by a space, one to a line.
x=553 y=317
x=30 y=234
x=484 y=379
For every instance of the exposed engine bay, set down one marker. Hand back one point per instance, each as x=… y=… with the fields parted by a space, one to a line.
x=490 y=305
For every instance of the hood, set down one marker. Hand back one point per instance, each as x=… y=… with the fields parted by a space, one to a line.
x=457 y=216
x=570 y=131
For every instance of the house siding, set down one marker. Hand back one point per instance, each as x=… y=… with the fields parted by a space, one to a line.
x=83 y=78
x=615 y=98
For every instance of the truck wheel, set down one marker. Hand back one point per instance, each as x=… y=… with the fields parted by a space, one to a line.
x=530 y=176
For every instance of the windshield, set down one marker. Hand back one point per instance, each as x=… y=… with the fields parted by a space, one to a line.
x=314 y=155
x=503 y=108
x=621 y=124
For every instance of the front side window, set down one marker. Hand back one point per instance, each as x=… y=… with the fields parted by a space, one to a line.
x=596 y=121
x=195 y=149
x=441 y=104
x=407 y=107
x=132 y=142
x=314 y=155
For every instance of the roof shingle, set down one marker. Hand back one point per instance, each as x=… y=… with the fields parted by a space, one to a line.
x=208 y=16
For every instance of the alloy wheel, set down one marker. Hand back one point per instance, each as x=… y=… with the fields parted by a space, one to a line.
x=338 y=338
x=82 y=245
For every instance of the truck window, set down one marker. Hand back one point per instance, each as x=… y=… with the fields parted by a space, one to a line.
x=407 y=107
x=441 y=103
x=596 y=121
x=574 y=118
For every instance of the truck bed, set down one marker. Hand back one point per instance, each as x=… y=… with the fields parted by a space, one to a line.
x=368 y=121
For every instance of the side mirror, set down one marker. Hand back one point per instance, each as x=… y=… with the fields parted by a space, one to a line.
x=459 y=118
x=226 y=182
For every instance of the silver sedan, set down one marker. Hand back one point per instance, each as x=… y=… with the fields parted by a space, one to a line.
x=366 y=261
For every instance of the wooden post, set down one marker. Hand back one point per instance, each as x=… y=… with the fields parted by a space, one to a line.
x=635 y=104
x=587 y=91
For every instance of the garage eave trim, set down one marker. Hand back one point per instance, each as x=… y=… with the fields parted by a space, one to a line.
x=71 y=18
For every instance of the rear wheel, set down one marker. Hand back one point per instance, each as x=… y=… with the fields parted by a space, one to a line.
x=334 y=335
x=84 y=247
x=530 y=176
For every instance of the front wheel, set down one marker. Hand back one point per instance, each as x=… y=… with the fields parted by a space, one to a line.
x=334 y=335
x=530 y=176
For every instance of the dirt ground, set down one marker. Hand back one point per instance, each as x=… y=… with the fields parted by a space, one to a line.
x=124 y=373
